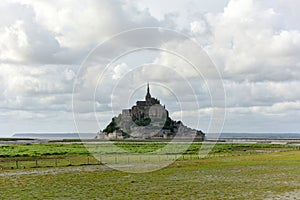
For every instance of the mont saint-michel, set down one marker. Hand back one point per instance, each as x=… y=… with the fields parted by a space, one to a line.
x=147 y=119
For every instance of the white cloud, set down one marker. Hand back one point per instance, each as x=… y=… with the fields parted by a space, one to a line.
x=281 y=108
x=250 y=44
x=253 y=43
x=22 y=38
x=245 y=94
x=120 y=71
x=83 y=25
x=13 y=38
x=36 y=80
x=198 y=27
x=36 y=88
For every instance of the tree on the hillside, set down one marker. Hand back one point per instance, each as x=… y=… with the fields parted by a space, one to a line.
x=111 y=127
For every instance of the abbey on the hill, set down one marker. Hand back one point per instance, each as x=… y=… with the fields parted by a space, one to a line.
x=147 y=119
x=143 y=110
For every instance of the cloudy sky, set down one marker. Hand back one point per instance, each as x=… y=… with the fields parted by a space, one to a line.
x=77 y=63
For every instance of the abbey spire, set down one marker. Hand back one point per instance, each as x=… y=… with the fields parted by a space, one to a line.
x=148 y=95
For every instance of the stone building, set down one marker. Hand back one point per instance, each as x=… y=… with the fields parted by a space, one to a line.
x=150 y=108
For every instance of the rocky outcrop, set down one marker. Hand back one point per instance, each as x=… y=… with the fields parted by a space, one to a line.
x=147 y=119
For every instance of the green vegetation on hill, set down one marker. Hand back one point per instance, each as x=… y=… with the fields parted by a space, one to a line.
x=170 y=124
x=111 y=127
x=143 y=121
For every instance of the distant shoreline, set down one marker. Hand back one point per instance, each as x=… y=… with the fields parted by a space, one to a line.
x=273 y=138
x=213 y=136
x=295 y=142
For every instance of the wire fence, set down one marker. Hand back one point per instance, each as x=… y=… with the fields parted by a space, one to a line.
x=25 y=163
x=100 y=159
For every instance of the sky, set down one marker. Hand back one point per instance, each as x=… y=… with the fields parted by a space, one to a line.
x=68 y=66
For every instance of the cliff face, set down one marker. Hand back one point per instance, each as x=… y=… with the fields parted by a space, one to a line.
x=148 y=119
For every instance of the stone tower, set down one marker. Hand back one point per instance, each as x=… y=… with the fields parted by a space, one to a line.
x=148 y=95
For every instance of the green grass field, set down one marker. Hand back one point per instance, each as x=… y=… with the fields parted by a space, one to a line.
x=56 y=149
x=56 y=154
x=232 y=171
